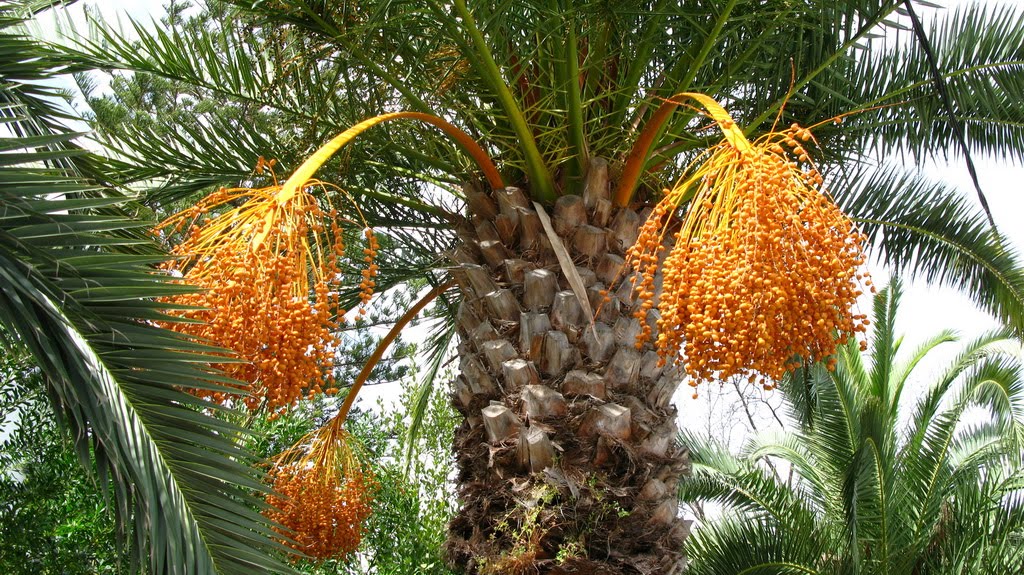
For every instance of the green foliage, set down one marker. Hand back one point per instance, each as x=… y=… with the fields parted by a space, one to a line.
x=872 y=492
x=545 y=85
x=414 y=504
x=53 y=518
x=360 y=339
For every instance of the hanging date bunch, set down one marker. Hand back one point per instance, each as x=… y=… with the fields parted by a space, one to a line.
x=764 y=270
x=268 y=267
x=324 y=495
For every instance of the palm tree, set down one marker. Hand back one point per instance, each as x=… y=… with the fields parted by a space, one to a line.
x=871 y=490
x=568 y=460
x=76 y=297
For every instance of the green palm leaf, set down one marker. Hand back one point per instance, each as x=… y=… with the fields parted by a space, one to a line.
x=978 y=52
x=948 y=242
x=73 y=296
x=867 y=497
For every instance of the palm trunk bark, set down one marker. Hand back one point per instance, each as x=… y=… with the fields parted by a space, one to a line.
x=567 y=458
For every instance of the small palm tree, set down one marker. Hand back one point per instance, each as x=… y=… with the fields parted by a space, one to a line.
x=567 y=455
x=872 y=491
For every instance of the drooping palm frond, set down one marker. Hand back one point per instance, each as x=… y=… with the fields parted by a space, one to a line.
x=990 y=382
x=720 y=476
x=815 y=487
x=948 y=242
x=978 y=48
x=769 y=526
x=737 y=544
x=78 y=291
x=942 y=397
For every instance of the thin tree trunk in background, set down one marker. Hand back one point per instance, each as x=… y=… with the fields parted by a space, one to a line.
x=567 y=459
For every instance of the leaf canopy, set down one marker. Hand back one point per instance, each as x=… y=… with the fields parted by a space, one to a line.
x=545 y=86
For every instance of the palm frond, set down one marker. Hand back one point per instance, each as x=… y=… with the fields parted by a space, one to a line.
x=990 y=382
x=737 y=544
x=813 y=485
x=118 y=382
x=925 y=229
x=901 y=372
x=884 y=342
x=722 y=477
x=983 y=527
x=929 y=406
x=77 y=286
x=978 y=53
x=437 y=350
x=981 y=447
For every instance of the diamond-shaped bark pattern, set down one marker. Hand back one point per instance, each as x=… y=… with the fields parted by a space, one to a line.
x=569 y=436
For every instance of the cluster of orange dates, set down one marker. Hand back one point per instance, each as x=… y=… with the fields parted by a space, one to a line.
x=322 y=511
x=368 y=283
x=267 y=294
x=267 y=265
x=764 y=270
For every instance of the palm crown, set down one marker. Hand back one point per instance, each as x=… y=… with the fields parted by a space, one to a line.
x=550 y=90
x=500 y=73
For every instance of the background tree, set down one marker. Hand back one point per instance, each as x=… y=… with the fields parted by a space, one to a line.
x=871 y=490
x=551 y=89
x=53 y=518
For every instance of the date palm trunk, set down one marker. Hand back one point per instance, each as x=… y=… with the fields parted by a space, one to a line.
x=567 y=457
